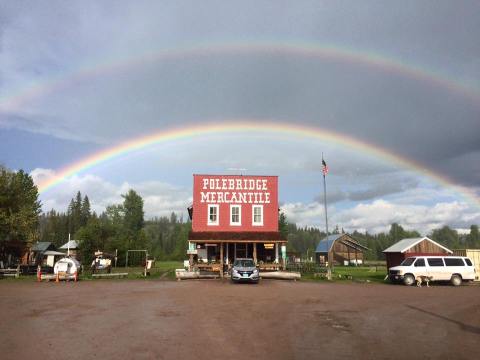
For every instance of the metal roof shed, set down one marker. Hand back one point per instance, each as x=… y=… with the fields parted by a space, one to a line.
x=399 y=251
x=346 y=250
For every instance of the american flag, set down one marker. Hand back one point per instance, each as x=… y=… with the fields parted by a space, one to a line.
x=324 y=168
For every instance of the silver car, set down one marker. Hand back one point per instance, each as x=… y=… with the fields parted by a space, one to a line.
x=245 y=270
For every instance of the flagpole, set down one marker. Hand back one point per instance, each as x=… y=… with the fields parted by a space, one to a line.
x=329 y=254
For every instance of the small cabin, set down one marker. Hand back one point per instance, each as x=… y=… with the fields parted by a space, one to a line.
x=421 y=246
x=37 y=251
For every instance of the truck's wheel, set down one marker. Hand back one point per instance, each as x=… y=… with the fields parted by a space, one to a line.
x=456 y=280
x=408 y=280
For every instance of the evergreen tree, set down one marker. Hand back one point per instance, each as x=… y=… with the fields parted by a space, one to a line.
x=283 y=224
x=473 y=239
x=19 y=211
x=446 y=236
x=133 y=212
x=85 y=212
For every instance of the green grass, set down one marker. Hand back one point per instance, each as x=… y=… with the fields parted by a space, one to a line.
x=165 y=270
x=374 y=274
x=161 y=270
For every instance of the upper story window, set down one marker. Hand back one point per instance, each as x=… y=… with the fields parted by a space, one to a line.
x=235 y=215
x=212 y=214
x=257 y=215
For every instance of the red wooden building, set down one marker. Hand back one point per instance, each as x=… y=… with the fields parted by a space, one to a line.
x=399 y=251
x=235 y=216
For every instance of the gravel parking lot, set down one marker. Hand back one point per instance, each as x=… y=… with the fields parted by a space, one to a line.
x=218 y=320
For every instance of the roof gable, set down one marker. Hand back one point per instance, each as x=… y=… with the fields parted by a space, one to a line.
x=42 y=246
x=72 y=244
x=326 y=244
x=405 y=244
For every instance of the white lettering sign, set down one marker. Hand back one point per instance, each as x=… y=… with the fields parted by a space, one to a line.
x=240 y=191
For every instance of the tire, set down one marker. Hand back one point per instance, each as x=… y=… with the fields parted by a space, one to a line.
x=456 y=280
x=408 y=280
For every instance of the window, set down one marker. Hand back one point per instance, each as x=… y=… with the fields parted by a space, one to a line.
x=407 y=262
x=212 y=214
x=420 y=263
x=435 y=261
x=469 y=263
x=454 y=262
x=257 y=215
x=235 y=215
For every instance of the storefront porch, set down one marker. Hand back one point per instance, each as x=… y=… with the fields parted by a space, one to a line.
x=218 y=251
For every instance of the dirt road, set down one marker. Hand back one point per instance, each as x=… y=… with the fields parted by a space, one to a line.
x=218 y=320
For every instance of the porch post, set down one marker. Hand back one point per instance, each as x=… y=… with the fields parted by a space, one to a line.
x=255 y=253
x=276 y=253
x=227 y=246
x=221 y=260
x=235 y=251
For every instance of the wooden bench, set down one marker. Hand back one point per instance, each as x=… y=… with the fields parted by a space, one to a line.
x=269 y=267
x=209 y=267
x=10 y=272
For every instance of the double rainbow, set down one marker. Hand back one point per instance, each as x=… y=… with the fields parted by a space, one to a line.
x=269 y=128
x=342 y=54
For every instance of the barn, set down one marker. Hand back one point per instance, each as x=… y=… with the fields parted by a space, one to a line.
x=399 y=251
x=346 y=250
x=235 y=216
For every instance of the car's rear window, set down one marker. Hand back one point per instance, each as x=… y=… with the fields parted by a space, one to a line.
x=469 y=262
x=435 y=261
x=454 y=262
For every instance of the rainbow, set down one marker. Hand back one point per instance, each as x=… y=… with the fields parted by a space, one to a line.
x=14 y=100
x=269 y=128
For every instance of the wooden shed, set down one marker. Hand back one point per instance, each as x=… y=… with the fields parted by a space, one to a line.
x=346 y=250
x=421 y=246
x=35 y=255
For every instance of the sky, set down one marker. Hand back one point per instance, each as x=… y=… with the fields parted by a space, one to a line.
x=403 y=78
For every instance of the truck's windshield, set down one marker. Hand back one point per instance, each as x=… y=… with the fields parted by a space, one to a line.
x=408 y=261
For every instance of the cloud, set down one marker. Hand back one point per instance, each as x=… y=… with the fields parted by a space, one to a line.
x=377 y=216
x=160 y=199
x=369 y=187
